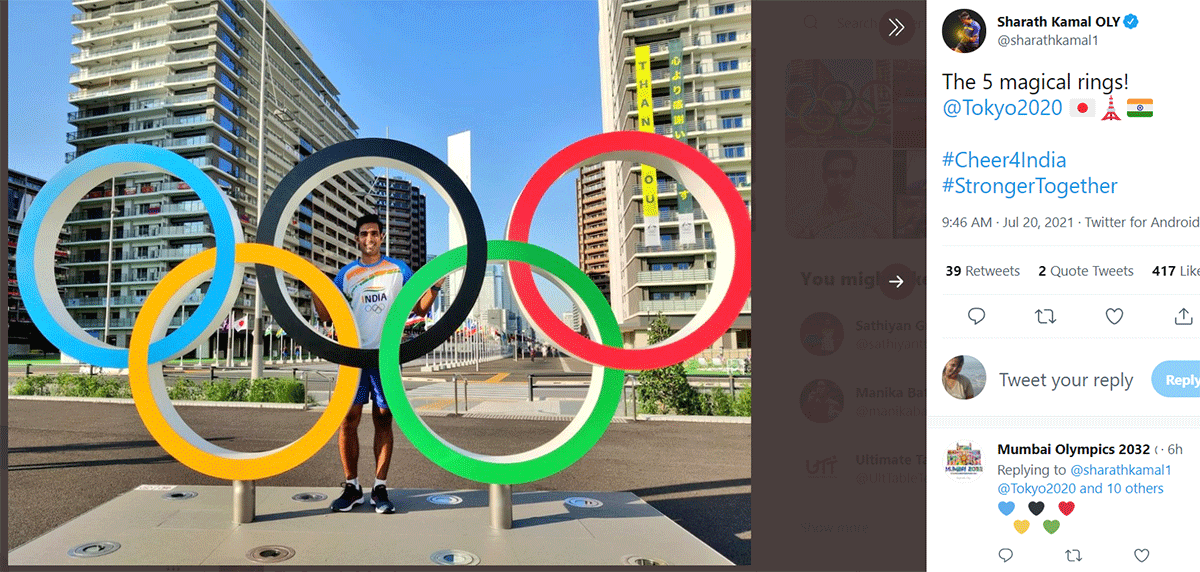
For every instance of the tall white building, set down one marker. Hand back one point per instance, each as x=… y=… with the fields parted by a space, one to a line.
x=184 y=75
x=714 y=44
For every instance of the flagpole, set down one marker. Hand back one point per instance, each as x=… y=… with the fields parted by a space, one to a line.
x=387 y=189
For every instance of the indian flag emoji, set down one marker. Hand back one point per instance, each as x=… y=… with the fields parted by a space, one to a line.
x=1140 y=108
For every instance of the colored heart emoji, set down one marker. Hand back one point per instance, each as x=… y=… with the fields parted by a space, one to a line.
x=1037 y=507
x=1051 y=526
x=1006 y=508
x=1066 y=507
x=1021 y=525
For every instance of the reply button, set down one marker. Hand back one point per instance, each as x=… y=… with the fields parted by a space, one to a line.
x=1177 y=379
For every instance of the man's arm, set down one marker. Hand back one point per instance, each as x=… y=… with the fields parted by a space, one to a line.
x=321 y=311
x=426 y=302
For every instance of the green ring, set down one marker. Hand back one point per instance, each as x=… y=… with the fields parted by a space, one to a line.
x=564 y=449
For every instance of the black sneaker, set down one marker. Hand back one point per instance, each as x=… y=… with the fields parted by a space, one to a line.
x=351 y=495
x=379 y=498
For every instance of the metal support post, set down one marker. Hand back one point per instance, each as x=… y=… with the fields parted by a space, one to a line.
x=466 y=396
x=633 y=383
x=500 y=502
x=531 y=387
x=243 y=502
x=455 y=380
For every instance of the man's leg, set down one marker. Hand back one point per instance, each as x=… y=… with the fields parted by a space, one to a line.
x=348 y=441
x=348 y=449
x=382 y=417
x=383 y=440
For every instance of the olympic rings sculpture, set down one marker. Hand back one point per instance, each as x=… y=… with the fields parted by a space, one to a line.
x=224 y=265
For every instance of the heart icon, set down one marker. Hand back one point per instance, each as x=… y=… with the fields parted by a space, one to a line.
x=1141 y=554
x=1114 y=315
x=1006 y=508
x=1021 y=525
x=1066 y=507
x=1037 y=507
x=1051 y=526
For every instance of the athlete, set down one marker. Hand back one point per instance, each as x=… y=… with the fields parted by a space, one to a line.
x=970 y=34
x=371 y=283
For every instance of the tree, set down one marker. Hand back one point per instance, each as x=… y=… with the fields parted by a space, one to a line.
x=666 y=390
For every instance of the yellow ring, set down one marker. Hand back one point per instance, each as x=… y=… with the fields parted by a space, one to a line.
x=150 y=391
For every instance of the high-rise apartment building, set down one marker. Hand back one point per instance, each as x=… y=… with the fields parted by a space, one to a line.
x=405 y=222
x=184 y=75
x=592 y=207
x=22 y=334
x=711 y=113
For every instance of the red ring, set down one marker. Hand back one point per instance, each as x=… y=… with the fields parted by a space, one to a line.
x=655 y=356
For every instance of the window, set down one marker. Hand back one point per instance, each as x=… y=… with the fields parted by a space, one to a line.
x=734 y=150
x=722 y=9
x=731 y=122
x=726 y=37
x=731 y=93
x=727 y=65
x=229 y=41
x=228 y=82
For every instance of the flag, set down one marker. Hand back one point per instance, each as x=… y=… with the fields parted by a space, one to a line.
x=225 y=324
x=240 y=325
x=1083 y=107
x=414 y=319
x=1140 y=108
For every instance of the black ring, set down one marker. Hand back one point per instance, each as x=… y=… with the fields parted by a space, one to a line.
x=373 y=153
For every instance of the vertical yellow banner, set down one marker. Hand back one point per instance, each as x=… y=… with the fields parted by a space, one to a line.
x=645 y=106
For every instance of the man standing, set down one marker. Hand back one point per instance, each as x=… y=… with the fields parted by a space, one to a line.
x=371 y=283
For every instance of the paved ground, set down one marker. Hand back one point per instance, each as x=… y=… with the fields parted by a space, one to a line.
x=65 y=458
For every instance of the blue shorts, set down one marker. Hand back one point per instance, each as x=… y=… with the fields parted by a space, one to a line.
x=370 y=384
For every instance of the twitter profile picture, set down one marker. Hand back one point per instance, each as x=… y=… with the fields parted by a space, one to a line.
x=964 y=31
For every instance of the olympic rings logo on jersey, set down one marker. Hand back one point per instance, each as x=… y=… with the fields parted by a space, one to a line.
x=224 y=265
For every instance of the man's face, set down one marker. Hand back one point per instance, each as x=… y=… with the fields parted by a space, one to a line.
x=952 y=368
x=966 y=20
x=839 y=176
x=369 y=239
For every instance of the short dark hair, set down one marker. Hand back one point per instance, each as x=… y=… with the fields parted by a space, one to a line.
x=964 y=15
x=366 y=219
x=834 y=155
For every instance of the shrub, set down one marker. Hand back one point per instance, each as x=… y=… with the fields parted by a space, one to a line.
x=666 y=390
x=741 y=404
x=184 y=389
x=33 y=385
x=721 y=402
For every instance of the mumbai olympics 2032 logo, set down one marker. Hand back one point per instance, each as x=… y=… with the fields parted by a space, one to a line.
x=223 y=266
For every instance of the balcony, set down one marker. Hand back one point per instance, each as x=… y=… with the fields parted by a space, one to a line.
x=717 y=11
x=723 y=95
x=693 y=275
x=675 y=246
x=134 y=85
x=657 y=20
x=192 y=35
x=193 y=77
x=672 y=215
x=190 y=14
x=669 y=306
x=730 y=154
x=124 y=128
x=115 y=30
x=742 y=66
x=655 y=75
x=109 y=52
x=180 y=59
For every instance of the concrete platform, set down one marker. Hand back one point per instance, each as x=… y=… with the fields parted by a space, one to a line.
x=159 y=525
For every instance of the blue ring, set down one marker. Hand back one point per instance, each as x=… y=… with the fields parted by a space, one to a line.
x=28 y=251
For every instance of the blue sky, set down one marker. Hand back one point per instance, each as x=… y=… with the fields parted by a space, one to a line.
x=523 y=77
